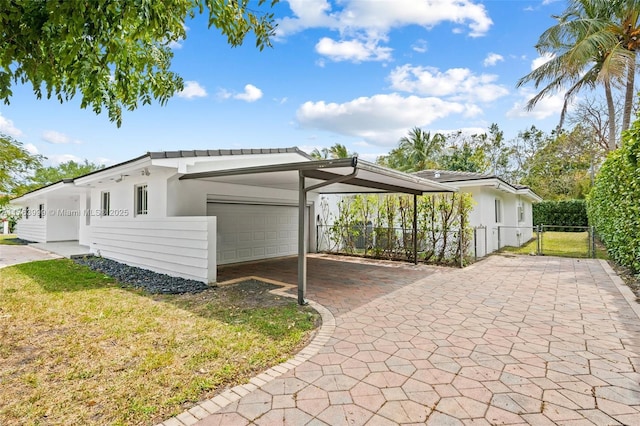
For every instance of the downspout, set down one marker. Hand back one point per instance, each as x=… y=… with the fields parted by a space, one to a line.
x=302 y=224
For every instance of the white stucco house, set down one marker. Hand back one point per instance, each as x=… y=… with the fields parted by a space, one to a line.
x=502 y=211
x=185 y=212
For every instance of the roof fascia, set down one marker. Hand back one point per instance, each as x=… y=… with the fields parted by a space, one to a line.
x=42 y=191
x=115 y=169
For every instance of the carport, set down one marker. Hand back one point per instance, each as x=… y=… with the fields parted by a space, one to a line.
x=339 y=176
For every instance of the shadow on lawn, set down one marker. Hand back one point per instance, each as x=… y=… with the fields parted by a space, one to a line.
x=63 y=275
x=245 y=304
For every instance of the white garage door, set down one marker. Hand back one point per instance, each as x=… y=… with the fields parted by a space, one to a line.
x=251 y=232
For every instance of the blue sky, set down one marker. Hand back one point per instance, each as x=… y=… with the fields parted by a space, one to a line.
x=356 y=72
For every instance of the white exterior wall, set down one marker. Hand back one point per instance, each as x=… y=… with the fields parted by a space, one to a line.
x=32 y=228
x=179 y=246
x=85 y=221
x=63 y=218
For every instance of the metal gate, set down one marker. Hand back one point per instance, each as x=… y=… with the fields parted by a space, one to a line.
x=568 y=241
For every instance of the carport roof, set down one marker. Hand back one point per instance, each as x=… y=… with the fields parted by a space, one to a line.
x=350 y=175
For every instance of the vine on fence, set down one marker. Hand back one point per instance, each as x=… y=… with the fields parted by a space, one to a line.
x=381 y=226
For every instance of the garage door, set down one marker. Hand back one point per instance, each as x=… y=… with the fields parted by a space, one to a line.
x=251 y=232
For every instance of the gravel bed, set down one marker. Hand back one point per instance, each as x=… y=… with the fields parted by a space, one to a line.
x=131 y=276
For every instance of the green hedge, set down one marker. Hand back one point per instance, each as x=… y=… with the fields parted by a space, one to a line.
x=561 y=213
x=614 y=201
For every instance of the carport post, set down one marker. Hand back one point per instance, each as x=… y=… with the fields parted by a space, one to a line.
x=415 y=229
x=302 y=240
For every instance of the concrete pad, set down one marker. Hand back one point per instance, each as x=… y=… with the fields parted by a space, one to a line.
x=13 y=255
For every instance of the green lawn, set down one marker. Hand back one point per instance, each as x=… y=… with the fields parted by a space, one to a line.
x=76 y=348
x=567 y=244
x=10 y=240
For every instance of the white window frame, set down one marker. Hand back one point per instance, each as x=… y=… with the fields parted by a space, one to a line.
x=105 y=203
x=41 y=211
x=497 y=207
x=520 y=212
x=141 y=199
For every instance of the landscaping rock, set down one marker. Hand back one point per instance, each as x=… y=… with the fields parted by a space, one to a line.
x=149 y=281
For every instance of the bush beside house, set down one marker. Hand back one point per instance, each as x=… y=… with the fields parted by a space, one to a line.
x=614 y=201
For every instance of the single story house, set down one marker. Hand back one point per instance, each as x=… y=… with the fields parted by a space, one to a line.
x=502 y=212
x=185 y=212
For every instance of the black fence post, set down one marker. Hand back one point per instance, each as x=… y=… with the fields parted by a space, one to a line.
x=475 y=243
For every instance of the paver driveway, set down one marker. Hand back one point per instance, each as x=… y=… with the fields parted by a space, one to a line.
x=510 y=340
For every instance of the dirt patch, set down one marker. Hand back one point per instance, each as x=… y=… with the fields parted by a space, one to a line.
x=630 y=279
x=250 y=293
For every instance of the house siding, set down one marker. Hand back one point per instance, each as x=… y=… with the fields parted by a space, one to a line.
x=183 y=247
x=32 y=228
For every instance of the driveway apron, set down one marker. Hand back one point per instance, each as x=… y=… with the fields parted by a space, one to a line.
x=13 y=255
x=509 y=340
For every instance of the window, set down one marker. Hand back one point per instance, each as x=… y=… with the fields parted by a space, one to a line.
x=141 y=199
x=105 y=203
x=520 y=212
x=498 y=208
x=40 y=211
x=26 y=212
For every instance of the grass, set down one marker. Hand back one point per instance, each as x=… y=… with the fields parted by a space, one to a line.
x=566 y=244
x=75 y=348
x=10 y=240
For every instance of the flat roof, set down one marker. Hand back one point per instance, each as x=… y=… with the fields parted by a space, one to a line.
x=352 y=175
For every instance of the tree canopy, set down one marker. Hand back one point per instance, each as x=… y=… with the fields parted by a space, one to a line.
x=594 y=42
x=16 y=163
x=46 y=175
x=338 y=150
x=114 y=53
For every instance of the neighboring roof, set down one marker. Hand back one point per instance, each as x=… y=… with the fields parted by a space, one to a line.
x=347 y=175
x=457 y=177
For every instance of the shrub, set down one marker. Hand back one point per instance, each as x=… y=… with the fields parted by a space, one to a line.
x=614 y=201
x=561 y=213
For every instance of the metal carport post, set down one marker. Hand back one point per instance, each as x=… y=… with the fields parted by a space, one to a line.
x=303 y=226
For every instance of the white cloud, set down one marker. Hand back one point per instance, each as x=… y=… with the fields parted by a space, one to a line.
x=57 y=138
x=8 y=128
x=63 y=158
x=363 y=25
x=251 y=94
x=103 y=161
x=353 y=50
x=379 y=119
x=420 y=46
x=492 y=59
x=31 y=149
x=457 y=84
x=545 y=107
x=192 y=89
x=541 y=60
x=382 y=16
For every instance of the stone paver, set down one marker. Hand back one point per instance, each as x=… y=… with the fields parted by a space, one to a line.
x=510 y=340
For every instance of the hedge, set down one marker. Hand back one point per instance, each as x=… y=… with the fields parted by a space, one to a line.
x=614 y=201
x=561 y=213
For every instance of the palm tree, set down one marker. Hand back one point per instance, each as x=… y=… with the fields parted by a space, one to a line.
x=321 y=154
x=594 y=42
x=340 y=151
x=420 y=149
